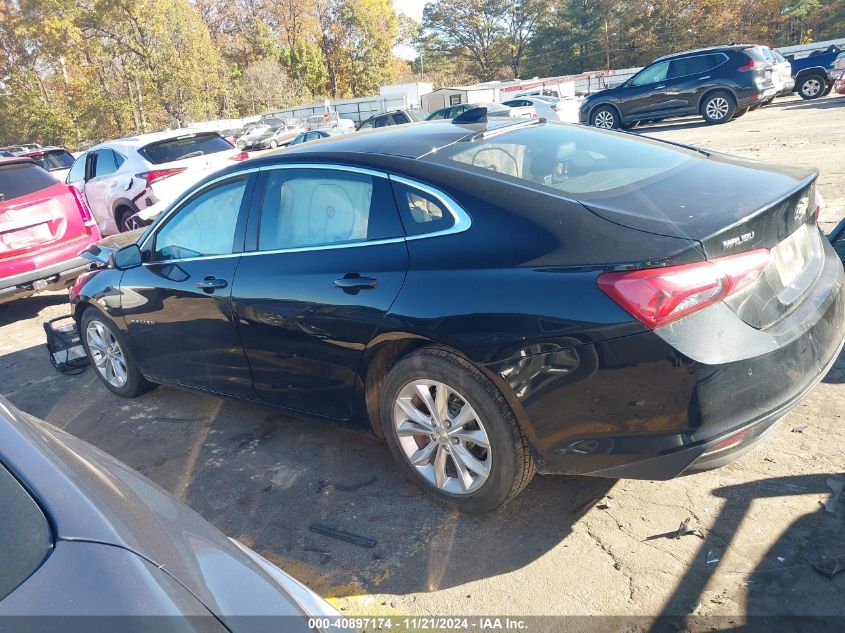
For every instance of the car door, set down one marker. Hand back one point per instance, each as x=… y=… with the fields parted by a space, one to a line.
x=645 y=92
x=687 y=81
x=328 y=260
x=177 y=303
x=102 y=185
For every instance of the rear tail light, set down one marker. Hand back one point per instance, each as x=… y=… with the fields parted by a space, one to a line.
x=820 y=204
x=730 y=440
x=753 y=64
x=241 y=156
x=658 y=296
x=82 y=206
x=159 y=174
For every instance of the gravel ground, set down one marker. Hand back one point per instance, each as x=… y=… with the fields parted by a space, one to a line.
x=566 y=546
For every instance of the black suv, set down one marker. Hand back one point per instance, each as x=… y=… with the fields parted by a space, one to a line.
x=395 y=117
x=719 y=83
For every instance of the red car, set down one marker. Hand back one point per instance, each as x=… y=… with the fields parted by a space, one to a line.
x=44 y=224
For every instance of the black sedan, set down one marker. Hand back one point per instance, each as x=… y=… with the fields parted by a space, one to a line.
x=87 y=539
x=491 y=298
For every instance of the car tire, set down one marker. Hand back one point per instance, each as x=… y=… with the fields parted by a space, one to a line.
x=740 y=112
x=718 y=107
x=453 y=465
x=125 y=221
x=273 y=144
x=811 y=87
x=605 y=117
x=108 y=351
x=828 y=89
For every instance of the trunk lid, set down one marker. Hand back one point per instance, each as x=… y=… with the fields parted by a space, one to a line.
x=732 y=206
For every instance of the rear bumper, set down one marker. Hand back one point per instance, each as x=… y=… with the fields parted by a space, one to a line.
x=53 y=277
x=637 y=407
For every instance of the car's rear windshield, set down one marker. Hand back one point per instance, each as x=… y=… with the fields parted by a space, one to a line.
x=755 y=52
x=25 y=536
x=21 y=179
x=581 y=162
x=52 y=159
x=186 y=146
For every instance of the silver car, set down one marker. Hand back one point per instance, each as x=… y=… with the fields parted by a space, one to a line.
x=86 y=538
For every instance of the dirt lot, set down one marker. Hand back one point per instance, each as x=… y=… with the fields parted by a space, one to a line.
x=566 y=546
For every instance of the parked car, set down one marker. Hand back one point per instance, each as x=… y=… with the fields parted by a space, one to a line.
x=56 y=160
x=329 y=121
x=395 y=117
x=812 y=73
x=550 y=108
x=44 y=224
x=20 y=150
x=496 y=110
x=85 y=535
x=781 y=71
x=248 y=140
x=316 y=135
x=280 y=137
x=122 y=177
x=718 y=83
x=491 y=299
x=839 y=84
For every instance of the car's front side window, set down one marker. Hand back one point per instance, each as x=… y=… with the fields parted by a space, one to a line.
x=106 y=163
x=77 y=170
x=205 y=225
x=652 y=74
x=322 y=207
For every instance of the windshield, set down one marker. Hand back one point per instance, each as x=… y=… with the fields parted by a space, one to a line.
x=52 y=159
x=579 y=162
x=181 y=147
x=417 y=115
x=22 y=179
x=491 y=107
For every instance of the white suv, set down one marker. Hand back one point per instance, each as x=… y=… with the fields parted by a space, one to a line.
x=122 y=177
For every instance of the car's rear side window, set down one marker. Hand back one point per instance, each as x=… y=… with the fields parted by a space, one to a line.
x=182 y=147
x=304 y=208
x=53 y=159
x=25 y=535
x=421 y=212
x=578 y=161
x=21 y=179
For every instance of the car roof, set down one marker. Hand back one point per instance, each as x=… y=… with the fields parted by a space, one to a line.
x=140 y=140
x=721 y=48
x=11 y=160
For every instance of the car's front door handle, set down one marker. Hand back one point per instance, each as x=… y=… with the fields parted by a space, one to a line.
x=353 y=282
x=659 y=87
x=212 y=283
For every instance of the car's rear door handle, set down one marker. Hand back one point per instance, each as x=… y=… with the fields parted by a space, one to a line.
x=212 y=283
x=353 y=282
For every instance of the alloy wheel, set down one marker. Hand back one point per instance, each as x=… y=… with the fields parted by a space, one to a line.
x=811 y=87
x=106 y=353
x=604 y=119
x=442 y=437
x=717 y=108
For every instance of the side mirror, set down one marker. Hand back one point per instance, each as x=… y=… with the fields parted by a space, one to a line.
x=125 y=258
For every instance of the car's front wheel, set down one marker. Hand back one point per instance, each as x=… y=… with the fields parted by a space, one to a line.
x=605 y=117
x=811 y=87
x=454 y=432
x=718 y=107
x=273 y=144
x=112 y=359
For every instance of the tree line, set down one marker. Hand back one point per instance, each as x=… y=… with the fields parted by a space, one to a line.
x=76 y=71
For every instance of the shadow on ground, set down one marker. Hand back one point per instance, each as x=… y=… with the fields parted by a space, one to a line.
x=264 y=477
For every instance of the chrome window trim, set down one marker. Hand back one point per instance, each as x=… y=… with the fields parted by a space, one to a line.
x=180 y=202
x=331 y=166
x=462 y=221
